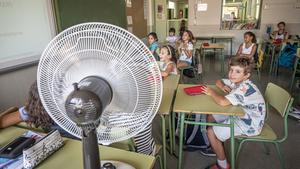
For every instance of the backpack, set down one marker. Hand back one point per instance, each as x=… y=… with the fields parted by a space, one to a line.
x=195 y=137
x=287 y=56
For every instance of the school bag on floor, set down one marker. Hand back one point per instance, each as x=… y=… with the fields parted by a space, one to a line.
x=195 y=135
x=287 y=56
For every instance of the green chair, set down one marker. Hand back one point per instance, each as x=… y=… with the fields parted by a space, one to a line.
x=296 y=69
x=259 y=62
x=129 y=145
x=193 y=67
x=281 y=101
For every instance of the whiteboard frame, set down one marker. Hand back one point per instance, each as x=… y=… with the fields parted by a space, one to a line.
x=23 y=62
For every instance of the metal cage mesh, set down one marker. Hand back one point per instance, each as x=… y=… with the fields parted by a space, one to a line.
x=110 y=52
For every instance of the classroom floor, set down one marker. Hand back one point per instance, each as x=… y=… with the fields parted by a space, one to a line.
x=252 y=155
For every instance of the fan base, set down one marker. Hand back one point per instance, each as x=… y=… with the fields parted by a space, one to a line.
x=117 y=164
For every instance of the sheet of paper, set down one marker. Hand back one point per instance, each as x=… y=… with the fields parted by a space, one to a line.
x=129 y=20
x=202 y=7
x=128 y=3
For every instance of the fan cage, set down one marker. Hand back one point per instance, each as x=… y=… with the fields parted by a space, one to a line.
x=114 y=54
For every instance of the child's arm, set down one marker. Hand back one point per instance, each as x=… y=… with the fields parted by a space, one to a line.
x=251 y=55
x=9 y=119
x=168 y=70
x=286 y=35
x=220 y=100
x=239 y=52
x=222 y=86
x=189 y=50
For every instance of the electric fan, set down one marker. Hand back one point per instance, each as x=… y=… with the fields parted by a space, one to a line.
x=100 y=83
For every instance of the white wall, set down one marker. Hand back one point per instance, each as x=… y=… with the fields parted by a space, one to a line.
x=161 y=24
x=208 y=23
x=15 y=86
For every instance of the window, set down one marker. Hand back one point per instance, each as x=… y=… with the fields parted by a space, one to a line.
x=240 y=14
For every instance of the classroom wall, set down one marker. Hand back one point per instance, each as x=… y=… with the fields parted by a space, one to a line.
x=15 y=85
x=161 y=23
x=208 y=23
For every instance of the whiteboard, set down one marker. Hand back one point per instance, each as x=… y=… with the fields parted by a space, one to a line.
x=26 y=27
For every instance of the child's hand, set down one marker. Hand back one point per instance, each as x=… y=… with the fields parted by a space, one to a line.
x=226 y=89
x=208 y=91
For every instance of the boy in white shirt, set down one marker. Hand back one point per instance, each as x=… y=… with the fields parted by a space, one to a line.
x=241 y=91
x=172 y=38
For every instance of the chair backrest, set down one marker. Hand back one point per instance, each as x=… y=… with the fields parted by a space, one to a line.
x=260 y=58
x=278 y=98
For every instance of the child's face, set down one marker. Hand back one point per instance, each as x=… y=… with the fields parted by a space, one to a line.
x=281 y=26
x=237 y=74
x=185 y=36
x=247 y=38
x=164 y=56
x=151 y=39
x=171 y=33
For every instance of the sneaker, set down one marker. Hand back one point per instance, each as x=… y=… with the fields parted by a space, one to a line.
x=208 y=152
x=216 y=166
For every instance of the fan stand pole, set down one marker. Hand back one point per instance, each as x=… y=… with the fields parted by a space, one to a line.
x=91 y=157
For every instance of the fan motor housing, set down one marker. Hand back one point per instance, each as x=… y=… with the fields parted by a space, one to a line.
x=88 y=100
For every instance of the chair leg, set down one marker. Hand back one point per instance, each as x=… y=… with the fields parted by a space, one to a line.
x=258 y=74
x=160 y=161
x=239 y=149
x=279 y=155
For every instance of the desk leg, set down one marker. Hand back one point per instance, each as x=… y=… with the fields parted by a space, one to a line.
x=222 y=64
x=170 y=133
x=294 y=73
x=163 y=126
x=272 y=60
x=232 y=152
x=230 y=47
x=182 y=118
x=203 y=65
x=173 y=131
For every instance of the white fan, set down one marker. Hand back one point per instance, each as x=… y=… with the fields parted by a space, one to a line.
x=100 y=83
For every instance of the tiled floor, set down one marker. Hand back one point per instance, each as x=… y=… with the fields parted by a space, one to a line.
x=252 y=155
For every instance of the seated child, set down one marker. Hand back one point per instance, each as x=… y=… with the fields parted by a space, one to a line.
x=172 y=38
x=185 y=49
x=33 y=113
x=241 y=91
x=168 y=60
x=281 y=33
x=152 y=40
x=248 y=48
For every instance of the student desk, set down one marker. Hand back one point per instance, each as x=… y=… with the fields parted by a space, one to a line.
x=70 y=155
x=224 y=38
x=170 y=84
x=214 y=46
x=200 y=38
x=203 y=104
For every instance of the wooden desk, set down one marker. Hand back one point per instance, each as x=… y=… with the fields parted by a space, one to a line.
x=227 y=38
x=210 y=38
x=70 y=155
x=214 y=46
x=203 y=104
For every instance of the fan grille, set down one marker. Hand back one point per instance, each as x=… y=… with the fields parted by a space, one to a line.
x=109 y=52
